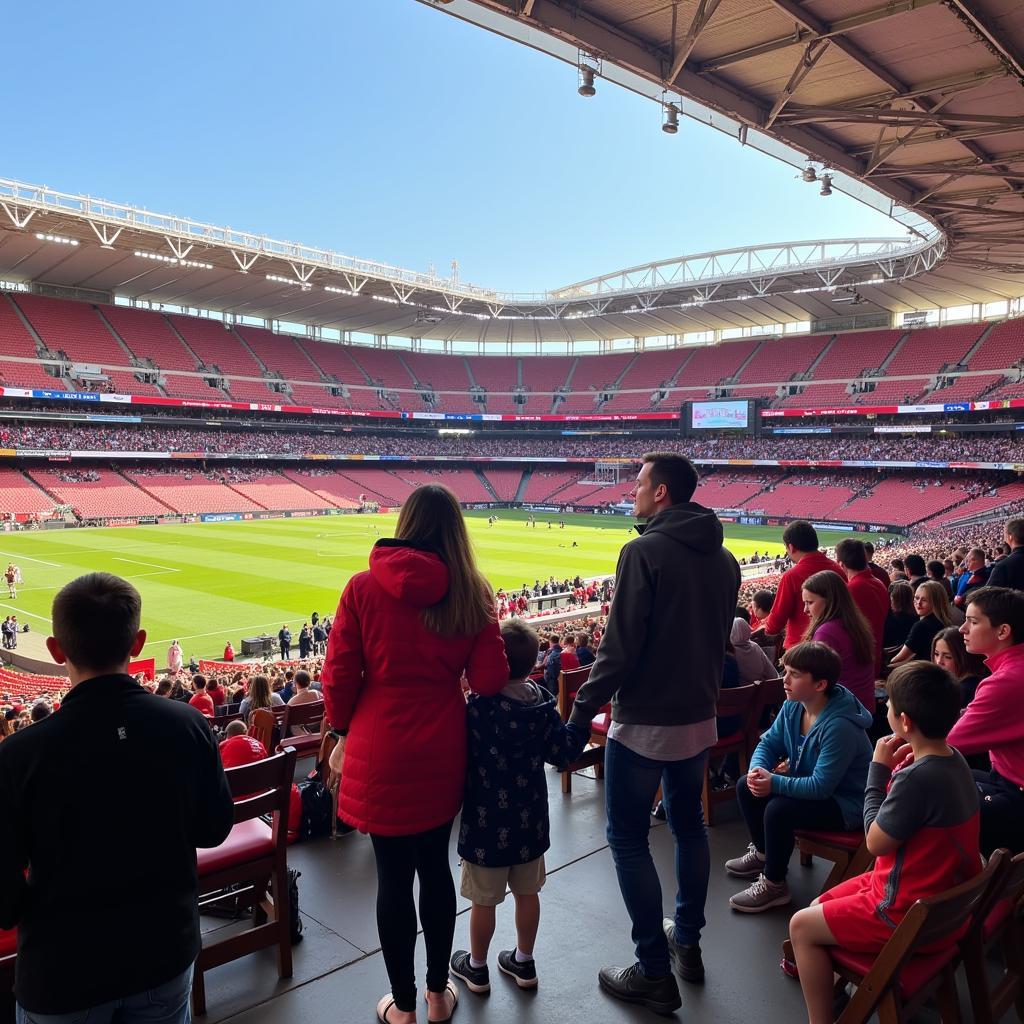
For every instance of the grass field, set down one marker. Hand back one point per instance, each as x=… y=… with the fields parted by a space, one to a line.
x=204 y=584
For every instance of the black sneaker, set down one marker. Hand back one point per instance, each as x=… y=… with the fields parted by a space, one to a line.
x=632 y=986
x=685 y=959
x=476 y=979
x=524 y=974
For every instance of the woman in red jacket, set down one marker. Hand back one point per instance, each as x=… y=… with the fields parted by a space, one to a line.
x=404 y=634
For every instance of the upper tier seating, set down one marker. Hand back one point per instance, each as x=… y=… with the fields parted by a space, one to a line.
x=1009 y=390
x=443 y=373
x=901 y=501
x=23 y=369
x=964 y=389
x=20 y=495
x=505 y=482
x=929 y=349
x=819 y=396
x=216 y=346
x=890 y=392
x=711 y=364
x=148 y=335
x=191 y=492
x=1003 y=348
x=253 y=391
x=112 y=494
x=496 y=374
x=851 y=354
x=279 y=352
x=780 y=359
x=1005 y=495
x=544 y=373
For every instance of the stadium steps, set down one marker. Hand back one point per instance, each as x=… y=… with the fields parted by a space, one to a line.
x=248 y=348
x=523 y=484
x=738 y=375
x=246 y=496
x=469 y=372
x=40 y=344
x=895 y=351
x=39 y=487
x=519 y=372
x=191 y=351
x=813 y=368
x=122 y=343
x=973 y=350
x=135 y=483
x=486 y=483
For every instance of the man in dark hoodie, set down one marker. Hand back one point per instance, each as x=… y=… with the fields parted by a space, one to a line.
x=675 y=581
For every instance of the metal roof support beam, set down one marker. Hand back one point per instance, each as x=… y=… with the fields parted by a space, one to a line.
x=960 y=85
x=19 y=218
x=837 y=28
x=997 y=41
x=974 y=193
x=703 y=14
x=245 y=261
x=104 y=233
x=179 y=248
x=813 y=52
x=896 y=118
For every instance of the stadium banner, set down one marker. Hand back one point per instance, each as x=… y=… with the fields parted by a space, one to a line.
x=800 y=430
x=170 y=521
x=909 y=428
x=147 y=666
x=221 y=517
x=111 y=523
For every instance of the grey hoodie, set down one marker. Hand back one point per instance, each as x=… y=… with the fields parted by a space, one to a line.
x=660 y=660
x=751 y=660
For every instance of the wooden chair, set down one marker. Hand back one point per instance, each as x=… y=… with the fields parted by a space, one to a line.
x=848 y=852
x=569 y=684
x=900 y=980
x=770 y=698
x=738 y=702
x=306 y=715
x=261 y=726
x=997 y=926
x=255 y=855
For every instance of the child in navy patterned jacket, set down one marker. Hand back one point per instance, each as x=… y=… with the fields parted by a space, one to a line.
x=504 y=830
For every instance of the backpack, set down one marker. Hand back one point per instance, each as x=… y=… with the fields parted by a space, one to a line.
x=317 y=809
x=295 y=925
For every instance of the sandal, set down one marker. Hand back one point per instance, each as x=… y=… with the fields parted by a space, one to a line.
x=382 y=1015
x=451 y=990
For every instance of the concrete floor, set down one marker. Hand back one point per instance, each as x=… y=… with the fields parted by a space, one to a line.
x=339 y=972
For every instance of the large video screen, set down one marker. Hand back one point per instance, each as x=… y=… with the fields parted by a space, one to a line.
x=720 y=415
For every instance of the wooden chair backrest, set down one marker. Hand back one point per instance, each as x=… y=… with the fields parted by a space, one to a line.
x=263 y=787
x=261 y=726
x=1009 y=890
x=569 y=684
x=741 y=702
x=278 y=711
x=311 y=713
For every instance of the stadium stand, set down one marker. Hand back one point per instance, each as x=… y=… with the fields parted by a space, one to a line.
x=378 y=485
x=1011 y=495
x=544 y=483
x=1002 y=348
x=710 y=365
x=97 y=498
x=931 y=348
x=466 y=485
x=850 y=355
x=496 y=375
x=21 y=495
x=215 y=346
x=731 y=490
x=504 y=482
x=782 y=359
x=901 y=502
x=441 y=374
x=21 y=366
x=191 y=492
x=333 y=488
x=815 y=498
x=273 y=491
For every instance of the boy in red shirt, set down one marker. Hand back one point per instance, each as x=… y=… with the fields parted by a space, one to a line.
x=201 y=700
x=922 y=823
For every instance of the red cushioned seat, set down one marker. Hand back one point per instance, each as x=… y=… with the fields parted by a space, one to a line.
x=302 y=744
x=601 y=723
x=843 y=840
x=248 y=840
x=729 y=741
x=8 y=942
x=917 y=972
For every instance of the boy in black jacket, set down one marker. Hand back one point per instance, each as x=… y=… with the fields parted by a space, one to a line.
x=504 y=829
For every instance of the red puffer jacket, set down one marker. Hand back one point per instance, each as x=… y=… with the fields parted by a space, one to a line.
x=395 y=686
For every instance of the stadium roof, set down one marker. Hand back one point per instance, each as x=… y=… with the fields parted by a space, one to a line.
x=851 y=85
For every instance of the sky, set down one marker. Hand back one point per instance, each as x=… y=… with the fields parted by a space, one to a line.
x=386 y=130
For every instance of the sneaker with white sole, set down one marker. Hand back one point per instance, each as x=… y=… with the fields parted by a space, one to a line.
x=476 y=979
x=524 y=973
x=761 y=895
x=750 y=865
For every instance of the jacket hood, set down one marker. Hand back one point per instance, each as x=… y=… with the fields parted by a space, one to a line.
x=689 y=524
x=740 y=634
x=515 y=723
x=845 y=705
x=410 y=574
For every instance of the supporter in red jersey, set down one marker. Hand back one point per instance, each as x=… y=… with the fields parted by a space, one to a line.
x=201 y=700
x=216 y=692
x=801 y=540
x=229 y=652
x=868 y=593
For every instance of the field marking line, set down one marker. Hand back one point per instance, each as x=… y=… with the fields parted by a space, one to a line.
x=27 y=558
x=226 y=629
x=22 y=611
x=152 y=565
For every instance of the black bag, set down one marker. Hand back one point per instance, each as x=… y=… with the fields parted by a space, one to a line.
x=295 y=926
x=317 y=808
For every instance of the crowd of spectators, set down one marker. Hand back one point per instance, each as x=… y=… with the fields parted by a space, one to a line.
x=880 y=447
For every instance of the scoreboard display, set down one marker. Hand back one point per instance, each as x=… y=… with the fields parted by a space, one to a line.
x=732 y=414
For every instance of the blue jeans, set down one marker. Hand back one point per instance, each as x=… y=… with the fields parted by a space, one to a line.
x=166 y=1004
x=631 y=783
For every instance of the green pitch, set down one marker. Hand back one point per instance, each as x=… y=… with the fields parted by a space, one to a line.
x=205 y=584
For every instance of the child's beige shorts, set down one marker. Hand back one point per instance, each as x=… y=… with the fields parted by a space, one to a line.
x=486 y=886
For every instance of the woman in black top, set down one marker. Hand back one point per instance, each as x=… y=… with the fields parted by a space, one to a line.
x=934 y=613
x=901 y=614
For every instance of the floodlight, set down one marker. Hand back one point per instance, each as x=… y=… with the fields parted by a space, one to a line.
x=809 y=173
x=670 y=119
x=826 y=185
x=586 y=86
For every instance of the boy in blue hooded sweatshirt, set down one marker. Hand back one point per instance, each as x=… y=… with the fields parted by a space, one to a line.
x=504 y=829
x=809 y=771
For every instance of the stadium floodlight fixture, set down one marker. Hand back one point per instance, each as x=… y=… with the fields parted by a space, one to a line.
x=826 y=185
x=58 y=239
x=809 y=174
x=670 y=119
x=289 y=280
x=341 y=291
x=586 y=86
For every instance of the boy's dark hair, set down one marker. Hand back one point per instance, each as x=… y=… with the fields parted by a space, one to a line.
x=869 y=549
x=936 y=569
x=915 y=565
x=1015 y=530
x=927 y=694
x=764 y=599
x=198 y=682
x=582 y=639
x=852 y=554
x=96 y=619
x=897 y=563
x=40 y=710
x=818 y=659
x=521 y=646
x=742 y=613
x=801 y=535
x=676 y=472
x=302 y=678
x=1001 y=606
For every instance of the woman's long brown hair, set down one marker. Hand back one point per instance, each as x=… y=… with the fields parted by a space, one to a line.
x=941 y=607
x=839 y=605
x=431 y=518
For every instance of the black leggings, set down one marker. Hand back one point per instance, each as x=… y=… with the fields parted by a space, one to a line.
x=399 y=859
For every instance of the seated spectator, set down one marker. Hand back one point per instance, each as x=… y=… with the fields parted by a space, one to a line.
x=569 y=659
x=950 y=652
x=584 y=652
x=869 y=595
x=917 y=571
x=41 y=710
x=1009 y=572
x=921 y=820
x=992 y=722
x=876 y=570
x=201 y=700
x=760 y=607
x=837 y=622
x=933 y=614
x=976 y=576
x=106 y=801
x=901 y=616
x=808 y=771
x=936 y=570
x=898 y=571
x=216 y=693
x=259 y=696
x=751 y=662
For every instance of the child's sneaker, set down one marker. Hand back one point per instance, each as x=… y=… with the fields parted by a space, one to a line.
x=761 y=895
x=525 y=974
x=476 y=979
x=750 y=865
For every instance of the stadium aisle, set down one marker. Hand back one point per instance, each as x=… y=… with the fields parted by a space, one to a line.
x=339 y=974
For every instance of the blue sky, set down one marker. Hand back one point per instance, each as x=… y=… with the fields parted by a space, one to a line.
x=385 y=130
